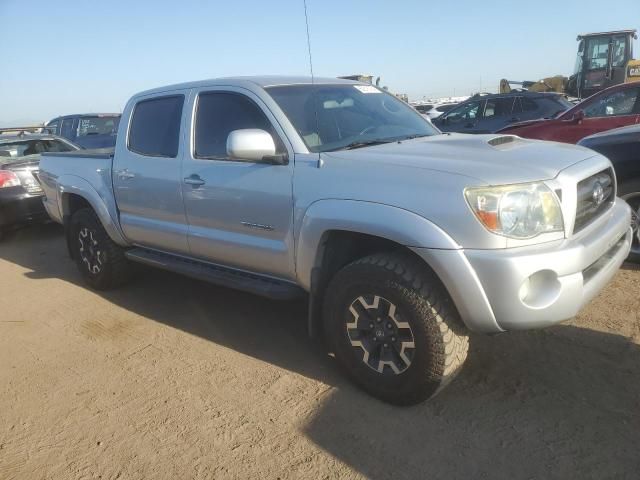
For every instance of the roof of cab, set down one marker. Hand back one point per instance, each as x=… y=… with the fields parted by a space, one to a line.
x=261 y=81
x=73 y=115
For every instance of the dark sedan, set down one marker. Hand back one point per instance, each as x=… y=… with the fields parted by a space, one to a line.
x=622 y=147
x=20 y=192
x=490 y=112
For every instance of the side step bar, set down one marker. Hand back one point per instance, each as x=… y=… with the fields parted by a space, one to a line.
x=218 y=275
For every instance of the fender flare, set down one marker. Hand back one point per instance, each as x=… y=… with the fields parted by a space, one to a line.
x=73 y=185
x=392 y=223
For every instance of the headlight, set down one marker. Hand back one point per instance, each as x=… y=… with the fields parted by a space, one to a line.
x=517 y=211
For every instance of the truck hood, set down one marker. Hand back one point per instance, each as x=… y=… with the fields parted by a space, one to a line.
x=491 y=159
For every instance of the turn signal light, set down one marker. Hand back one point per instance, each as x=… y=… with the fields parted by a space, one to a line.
x=8 y=179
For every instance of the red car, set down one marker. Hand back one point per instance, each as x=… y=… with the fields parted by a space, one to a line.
x=614 y=107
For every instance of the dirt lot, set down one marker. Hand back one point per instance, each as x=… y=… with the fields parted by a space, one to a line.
x=172 y=378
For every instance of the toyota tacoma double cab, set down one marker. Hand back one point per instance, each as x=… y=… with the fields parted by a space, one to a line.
x=404 y=239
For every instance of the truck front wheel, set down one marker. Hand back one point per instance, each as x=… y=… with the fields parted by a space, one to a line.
x=393 y=328
x=102 y=262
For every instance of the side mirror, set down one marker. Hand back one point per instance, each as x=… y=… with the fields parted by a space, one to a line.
x=578 y=116
x=254 y=145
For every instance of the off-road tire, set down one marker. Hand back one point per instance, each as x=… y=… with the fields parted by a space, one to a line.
x=114 y=268
x=440 y=338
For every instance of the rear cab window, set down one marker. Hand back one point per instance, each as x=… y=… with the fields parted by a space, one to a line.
x=155 y=126
x=98 y=125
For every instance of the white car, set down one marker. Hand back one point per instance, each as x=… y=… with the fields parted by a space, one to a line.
x=432 y=111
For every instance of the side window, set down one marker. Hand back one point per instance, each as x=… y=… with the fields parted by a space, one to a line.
x=498 y=107
x=619 y=50
x=220 y=113
x=52 y=127
x=528 y=104
x=66 y=130
x=465 y=112
x=597 y=51
x=155 y=126
x=617 y=103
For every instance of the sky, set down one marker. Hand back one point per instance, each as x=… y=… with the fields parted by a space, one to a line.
x=76 y=56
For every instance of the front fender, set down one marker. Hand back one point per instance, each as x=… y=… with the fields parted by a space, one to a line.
x=392 y=223
x=105 y=209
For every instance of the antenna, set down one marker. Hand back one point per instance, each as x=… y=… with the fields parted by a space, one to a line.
x=306 y=19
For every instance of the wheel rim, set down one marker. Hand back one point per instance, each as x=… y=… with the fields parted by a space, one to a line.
x=376 y=329
x=90 y=253
x=633 y=199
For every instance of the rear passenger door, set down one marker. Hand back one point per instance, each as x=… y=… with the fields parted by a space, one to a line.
x=147 y=171
x=497 y=114
x=240 y=212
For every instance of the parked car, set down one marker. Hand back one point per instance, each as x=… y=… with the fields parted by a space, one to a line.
x=89 y=130
x=622 y=147
x=403 y=238
x=614 y=107
x=20 y=192
x=490 y=112
x=432 y=111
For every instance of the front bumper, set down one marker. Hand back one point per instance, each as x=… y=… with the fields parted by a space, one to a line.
x=17 y=206
x=535 y=286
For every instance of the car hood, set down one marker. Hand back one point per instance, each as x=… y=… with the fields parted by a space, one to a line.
x=628 y=132
x=490 y=159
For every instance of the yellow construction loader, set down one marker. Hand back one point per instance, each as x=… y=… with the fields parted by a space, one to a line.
x=604 y=59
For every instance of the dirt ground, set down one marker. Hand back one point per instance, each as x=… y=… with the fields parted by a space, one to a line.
x=173 y=378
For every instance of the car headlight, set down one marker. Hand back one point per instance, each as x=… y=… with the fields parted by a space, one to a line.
x=517 y=211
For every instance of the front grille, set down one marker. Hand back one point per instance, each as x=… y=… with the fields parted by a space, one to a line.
x=596 y=194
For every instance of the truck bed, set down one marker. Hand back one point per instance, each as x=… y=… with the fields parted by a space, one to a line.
x=104 y=153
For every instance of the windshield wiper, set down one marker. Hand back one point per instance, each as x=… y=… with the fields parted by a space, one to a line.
x=411 y=137
x=362 y=143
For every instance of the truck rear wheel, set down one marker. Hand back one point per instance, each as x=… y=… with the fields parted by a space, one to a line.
x=100 y=260
x=394 y=329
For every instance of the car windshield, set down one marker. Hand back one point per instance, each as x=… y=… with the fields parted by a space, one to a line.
x=335 y=117
x=98 y=125
x=15 y=150
x=562 y=103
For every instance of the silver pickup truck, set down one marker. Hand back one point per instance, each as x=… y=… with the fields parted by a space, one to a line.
x=403 y=238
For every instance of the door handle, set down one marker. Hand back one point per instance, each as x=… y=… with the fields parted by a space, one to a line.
x=125 y=174
x=514 y=119
x=194 y=180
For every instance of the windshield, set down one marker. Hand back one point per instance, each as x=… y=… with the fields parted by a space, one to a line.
x=465 y=112
x=98 y=126
x=334 y=117
x=21 y=148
